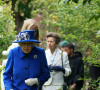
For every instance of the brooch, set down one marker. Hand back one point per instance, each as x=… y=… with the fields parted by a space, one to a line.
x=35 y=56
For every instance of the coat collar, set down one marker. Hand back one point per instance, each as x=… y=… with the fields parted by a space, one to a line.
x=57 y=57
x=58 y=50
x=22 y=55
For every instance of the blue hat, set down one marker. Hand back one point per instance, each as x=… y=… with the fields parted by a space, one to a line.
x=26 y=36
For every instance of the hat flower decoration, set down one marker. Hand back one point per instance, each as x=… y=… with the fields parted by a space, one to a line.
x=26 y=36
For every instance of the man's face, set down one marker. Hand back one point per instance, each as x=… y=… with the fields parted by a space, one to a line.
x=51 y=43
x=26 y=47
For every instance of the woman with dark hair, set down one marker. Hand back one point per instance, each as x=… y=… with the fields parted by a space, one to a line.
x=77 y=67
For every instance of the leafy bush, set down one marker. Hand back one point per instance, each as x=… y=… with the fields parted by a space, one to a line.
x=7 y=25
x=75 y=22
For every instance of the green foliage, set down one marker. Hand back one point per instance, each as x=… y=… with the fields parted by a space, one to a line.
x=7 y=26
x=75 y=23
x=72 y=22
x=95 y=16
x=24 y=8
x=1 y=68
x=76 y=1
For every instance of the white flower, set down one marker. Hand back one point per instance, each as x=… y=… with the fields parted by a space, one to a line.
x=9 y=48
x=98 y=32
x=1 y=8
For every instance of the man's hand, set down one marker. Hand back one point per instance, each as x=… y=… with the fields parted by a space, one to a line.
x=31 y=81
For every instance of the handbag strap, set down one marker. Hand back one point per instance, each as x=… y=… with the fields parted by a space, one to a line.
x=62 y=58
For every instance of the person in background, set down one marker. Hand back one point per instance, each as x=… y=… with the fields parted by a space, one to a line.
x=54 y=58
x=29 y=24
x=94 y=74
x=77 y=67
x=2 y=83
x=26 y=68
x=63 y=44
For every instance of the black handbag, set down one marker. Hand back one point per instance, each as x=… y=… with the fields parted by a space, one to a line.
x=65 y=87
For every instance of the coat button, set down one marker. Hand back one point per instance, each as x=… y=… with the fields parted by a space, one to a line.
x=25 y=78
x=26 y=67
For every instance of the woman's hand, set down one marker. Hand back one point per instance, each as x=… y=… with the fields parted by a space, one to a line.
x=58 y=68
x=31 y=81
x=72 y=87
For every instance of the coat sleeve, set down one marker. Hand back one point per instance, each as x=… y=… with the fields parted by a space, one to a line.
x=8 y=72
x=66 y=64
x=45 y=73
x=80 y=74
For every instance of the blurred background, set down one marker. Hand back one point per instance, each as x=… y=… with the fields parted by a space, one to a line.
x=77 y=21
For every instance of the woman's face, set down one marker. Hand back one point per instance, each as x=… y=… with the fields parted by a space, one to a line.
x=51 y=43
x=26 y=47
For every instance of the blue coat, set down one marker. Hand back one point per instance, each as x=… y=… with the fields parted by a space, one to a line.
x=21 y=67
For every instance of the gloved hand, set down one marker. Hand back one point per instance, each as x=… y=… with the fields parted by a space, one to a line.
x=50 y=67
x=58 y=68
x=3 y=89
x=31 y=81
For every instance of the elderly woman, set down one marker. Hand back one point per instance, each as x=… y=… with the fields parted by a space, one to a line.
x=26 y=68
x=29 y=24
x=55 y=57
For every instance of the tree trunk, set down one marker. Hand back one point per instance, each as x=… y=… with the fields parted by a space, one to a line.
x=18 y=21
x=18 y=18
